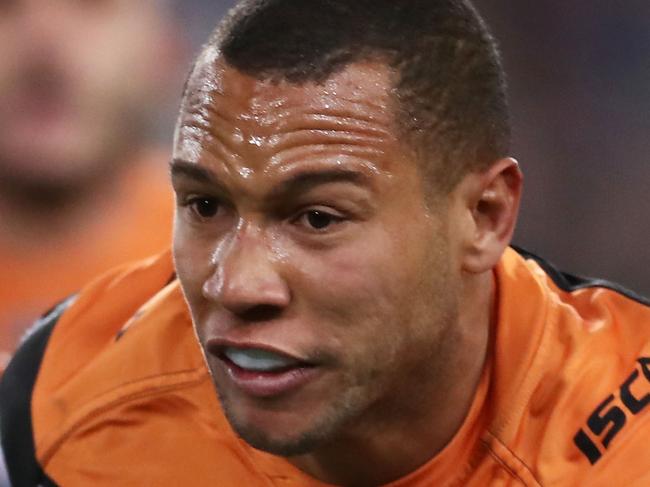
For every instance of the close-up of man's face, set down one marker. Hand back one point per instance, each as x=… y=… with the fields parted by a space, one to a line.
x=77 y=79
x=319 y=275
x=346 y=299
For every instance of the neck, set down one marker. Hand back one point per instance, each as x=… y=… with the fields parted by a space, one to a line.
x=435 y=409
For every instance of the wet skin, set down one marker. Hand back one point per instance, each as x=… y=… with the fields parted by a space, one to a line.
x=303 y=227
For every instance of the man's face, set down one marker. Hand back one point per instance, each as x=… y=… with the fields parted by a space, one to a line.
x=75 y=81
x=319 y=281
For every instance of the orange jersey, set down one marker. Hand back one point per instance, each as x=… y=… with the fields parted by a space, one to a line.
x=123 y=396
x=136 y=225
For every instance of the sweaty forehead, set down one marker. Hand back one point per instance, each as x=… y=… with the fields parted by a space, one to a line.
x=366 y=83
x=223 y=105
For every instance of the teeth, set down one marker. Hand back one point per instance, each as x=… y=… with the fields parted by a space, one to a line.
x=257 y=360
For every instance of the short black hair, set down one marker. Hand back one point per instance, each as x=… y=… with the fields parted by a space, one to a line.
x=450 y=86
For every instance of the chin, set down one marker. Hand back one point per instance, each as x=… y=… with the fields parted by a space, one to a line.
x=279 y=430
x=280 y=444
x=286 y=431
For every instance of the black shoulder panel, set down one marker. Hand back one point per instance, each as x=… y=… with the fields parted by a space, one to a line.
x=569 y=282
x=15 y=403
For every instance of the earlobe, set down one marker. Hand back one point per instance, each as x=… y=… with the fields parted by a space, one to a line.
x=494 y=205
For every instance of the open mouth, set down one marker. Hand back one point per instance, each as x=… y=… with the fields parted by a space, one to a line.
x=264 y=373
x=258 y=360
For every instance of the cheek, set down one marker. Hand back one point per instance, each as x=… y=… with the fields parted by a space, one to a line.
x=366 y=308
x=381 y=296
x=192 y=260
x=380 y=261
x=354 y=284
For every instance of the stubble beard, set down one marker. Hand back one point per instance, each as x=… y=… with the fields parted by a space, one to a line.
x=336 y=417
x=357 y=407
x=361 y=403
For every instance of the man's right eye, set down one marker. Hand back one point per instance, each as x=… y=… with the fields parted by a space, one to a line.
x=204 y=207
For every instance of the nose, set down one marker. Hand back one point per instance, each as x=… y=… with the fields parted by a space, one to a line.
x=246 y=279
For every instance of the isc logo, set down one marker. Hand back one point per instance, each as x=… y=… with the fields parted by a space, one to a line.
x=609 y=418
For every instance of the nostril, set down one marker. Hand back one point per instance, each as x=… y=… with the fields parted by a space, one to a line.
x=262 y=312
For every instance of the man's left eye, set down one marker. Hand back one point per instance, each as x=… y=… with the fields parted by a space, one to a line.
x=204 y=207
x=318 y=219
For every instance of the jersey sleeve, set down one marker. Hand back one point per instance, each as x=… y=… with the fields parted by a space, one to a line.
x=15 y=402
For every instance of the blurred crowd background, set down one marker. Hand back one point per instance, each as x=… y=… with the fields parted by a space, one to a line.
x=88 y=96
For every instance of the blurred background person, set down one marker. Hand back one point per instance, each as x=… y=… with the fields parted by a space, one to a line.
x=88 y=98
x=84 y=86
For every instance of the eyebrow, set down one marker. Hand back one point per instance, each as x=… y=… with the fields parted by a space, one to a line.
x=300 y=182
x=190 y=170
x=304 y=181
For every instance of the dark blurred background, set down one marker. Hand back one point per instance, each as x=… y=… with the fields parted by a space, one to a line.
x=579 y=75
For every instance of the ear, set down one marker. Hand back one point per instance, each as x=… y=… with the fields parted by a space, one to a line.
x=491 y=200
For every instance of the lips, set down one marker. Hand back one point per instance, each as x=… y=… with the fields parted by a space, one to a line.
x=261 y=371
x=258 y=360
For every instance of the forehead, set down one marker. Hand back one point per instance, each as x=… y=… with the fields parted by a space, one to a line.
x=366 y=83
x=227 y=111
